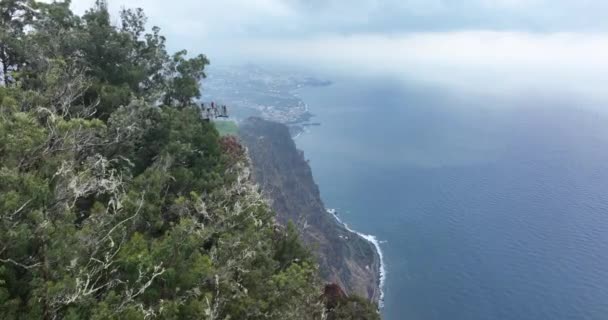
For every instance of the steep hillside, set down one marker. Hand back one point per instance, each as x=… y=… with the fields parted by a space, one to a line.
x=286 y=178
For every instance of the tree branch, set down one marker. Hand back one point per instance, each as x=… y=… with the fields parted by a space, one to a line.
x=24 y=266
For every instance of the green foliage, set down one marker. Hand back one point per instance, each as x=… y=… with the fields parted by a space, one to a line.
x=289 y=248
x=15 y=15
x=354 y=308
x=113 y=207
x=185 y=75
x=226 y=128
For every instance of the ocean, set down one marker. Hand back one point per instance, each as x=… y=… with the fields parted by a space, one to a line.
x=487 y=207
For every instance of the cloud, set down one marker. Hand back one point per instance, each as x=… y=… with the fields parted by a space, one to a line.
x=482 y=61
x=201 y=17
x=247 y=18
x=477 y=45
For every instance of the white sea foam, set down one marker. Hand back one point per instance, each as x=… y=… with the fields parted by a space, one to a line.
x=374 y=241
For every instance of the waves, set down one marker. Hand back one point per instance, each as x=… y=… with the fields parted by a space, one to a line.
x=376 y=243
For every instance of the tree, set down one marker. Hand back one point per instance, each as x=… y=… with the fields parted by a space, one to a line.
x=289 y=248
x=184 y=76
x=15 y=15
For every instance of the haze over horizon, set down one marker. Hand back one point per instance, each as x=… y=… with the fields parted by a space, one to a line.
x=478 y=46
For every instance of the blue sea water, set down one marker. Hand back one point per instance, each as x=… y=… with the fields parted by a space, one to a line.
x=491 y=208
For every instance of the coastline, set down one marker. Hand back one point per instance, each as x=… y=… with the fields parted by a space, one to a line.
x=286 y=179
x=367 y=237
x=376 y=243
x=359 y=273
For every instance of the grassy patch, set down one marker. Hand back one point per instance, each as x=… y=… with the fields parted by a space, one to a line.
x=227 y=128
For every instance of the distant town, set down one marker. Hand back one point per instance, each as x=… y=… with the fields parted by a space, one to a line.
x=253 y=91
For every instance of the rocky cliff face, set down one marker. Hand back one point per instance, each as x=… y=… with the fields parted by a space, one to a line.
x=286 y=179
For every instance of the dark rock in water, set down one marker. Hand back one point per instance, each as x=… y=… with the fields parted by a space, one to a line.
x=286 y=179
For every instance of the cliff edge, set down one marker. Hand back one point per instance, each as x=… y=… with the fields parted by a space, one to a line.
x=286 y=180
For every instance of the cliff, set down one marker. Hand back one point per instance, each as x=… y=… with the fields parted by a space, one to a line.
x=286 y=179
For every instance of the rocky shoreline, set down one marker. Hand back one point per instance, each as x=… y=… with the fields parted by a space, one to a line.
x=376 y=243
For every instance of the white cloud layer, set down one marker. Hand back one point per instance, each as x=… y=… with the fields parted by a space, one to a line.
x=495 y=46
x=484 y=61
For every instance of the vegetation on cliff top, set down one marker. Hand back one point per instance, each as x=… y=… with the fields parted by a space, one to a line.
x=117 y=200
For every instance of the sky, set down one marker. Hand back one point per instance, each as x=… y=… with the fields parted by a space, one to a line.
x=501 y=46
